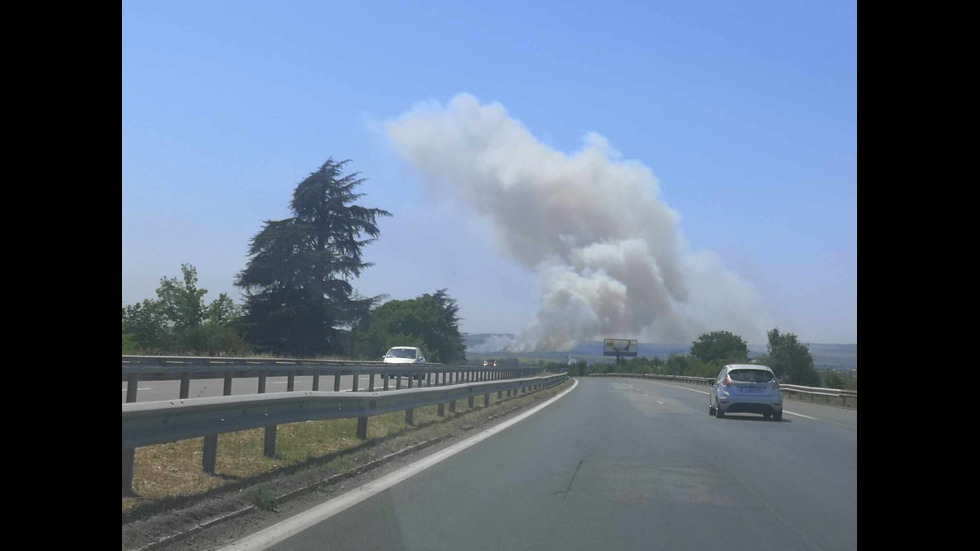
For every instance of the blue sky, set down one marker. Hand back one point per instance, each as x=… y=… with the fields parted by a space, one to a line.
x=745 y=112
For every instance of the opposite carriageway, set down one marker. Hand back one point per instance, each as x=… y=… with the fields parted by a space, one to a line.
x=185 y=369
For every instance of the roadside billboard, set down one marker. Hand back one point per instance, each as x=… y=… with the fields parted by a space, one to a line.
x=619 y=347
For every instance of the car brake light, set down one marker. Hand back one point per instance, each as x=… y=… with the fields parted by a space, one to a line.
x=727 y=381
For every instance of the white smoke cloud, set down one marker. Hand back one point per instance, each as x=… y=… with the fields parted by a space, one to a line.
x=608 y=255
x=493 y=343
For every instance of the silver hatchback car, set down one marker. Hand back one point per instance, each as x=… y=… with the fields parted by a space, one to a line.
x=746 y=388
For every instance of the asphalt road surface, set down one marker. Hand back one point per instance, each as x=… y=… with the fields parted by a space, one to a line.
x=623 y=464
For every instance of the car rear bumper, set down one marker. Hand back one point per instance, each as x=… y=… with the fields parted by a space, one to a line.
x=749 y=407
x=747 y=403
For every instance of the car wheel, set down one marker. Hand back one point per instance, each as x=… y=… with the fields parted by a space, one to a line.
x=719 y=413
x=778 y=416
x=766 y=416
x=711 y=410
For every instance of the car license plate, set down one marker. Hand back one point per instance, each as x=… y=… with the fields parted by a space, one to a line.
x=751 y=389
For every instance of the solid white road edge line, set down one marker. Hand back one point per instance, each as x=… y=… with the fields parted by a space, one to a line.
x=801 y=415
x=293 y=525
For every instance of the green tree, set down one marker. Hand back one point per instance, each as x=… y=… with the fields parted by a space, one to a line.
x=431 y=320
x=791 y=359
x=128 y=343
x=222 y=311
x=298 y=296
x=219 y=333
x=180 y=322
x=181 y=302
x=720 y=347
x=147 y=328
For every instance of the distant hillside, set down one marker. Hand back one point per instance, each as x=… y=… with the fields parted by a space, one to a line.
x=825 y=356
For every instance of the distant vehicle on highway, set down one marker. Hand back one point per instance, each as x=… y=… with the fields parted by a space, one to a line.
x=746 y=388
x=489 y=363
x=404 y=355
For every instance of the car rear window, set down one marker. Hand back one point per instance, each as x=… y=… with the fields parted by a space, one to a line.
x=751 y=376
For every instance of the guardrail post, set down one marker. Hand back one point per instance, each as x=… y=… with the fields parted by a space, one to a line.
x=411 y=379
x=226 y=391
x=336 y=383
x=452 y=406
x=470 y=401
x=128 y=466
x=428 y=378
x=398 y=382
x=316 y=383
x=386 y=378
x=362 y=428
x=290 y=383
x=371 y=382
x=410 y=416
x=185 y=385
x=270 y=441
x=262 y=383
x=486 y=400
x=353 y=388
x=210 y=453
x=442 y=409
x=132 y=384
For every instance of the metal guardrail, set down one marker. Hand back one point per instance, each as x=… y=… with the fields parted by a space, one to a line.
x=186 y=368
x=681 y=378
x=828 y=396
x=819 y=390
x=149 y=423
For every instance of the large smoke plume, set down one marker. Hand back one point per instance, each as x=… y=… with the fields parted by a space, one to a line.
x=606 y=250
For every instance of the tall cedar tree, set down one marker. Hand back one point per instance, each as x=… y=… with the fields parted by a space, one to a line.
x=298 y=295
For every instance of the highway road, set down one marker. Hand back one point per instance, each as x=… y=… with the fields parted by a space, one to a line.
x=619 y=464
